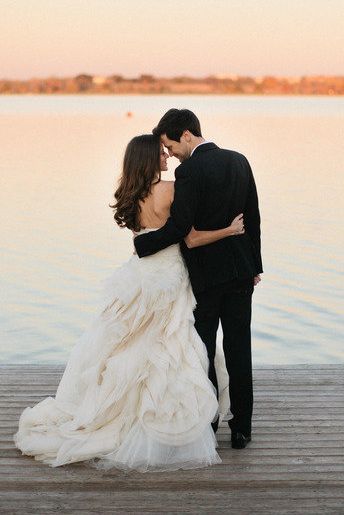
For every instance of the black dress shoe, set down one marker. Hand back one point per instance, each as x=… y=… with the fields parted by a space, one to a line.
x=239 y=441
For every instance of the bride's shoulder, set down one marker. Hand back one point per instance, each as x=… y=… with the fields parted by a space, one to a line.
x=164 y=184
x=163 y=189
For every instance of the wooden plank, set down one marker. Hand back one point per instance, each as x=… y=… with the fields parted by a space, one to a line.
x=192 y=500
x=260 y=394
x=301 y=366
x=229 y=457
x=279 y=452
x=278 y=443
x=259 y=421
x=260 y=389
x=328 y=433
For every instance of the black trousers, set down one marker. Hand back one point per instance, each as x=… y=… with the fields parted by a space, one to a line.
x=230 y=303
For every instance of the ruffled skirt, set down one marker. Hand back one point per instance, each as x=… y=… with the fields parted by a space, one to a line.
x=135 y=392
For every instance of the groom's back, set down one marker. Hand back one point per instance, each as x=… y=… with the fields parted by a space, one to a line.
x=226 y=188
x=223 y=179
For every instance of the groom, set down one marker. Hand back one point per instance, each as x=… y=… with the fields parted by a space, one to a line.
x=212 y=187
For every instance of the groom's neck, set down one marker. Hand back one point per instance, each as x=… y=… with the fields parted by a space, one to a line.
x=196 y=140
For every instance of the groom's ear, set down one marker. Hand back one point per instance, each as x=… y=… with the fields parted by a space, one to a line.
x=187 y=136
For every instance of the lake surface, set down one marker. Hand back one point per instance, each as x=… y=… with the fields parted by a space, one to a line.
x=60 y=157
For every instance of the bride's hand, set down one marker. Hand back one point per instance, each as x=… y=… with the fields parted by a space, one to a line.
x=237 y=225
x=190 y=238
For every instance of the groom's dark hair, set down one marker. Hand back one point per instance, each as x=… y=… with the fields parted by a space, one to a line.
x=175 y=122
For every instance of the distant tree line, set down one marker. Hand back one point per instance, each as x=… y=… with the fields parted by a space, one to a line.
x=149 y=84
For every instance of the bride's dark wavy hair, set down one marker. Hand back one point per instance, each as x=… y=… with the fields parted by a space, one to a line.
x=141 y=169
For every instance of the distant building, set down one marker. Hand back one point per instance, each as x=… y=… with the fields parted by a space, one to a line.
x=84 y=82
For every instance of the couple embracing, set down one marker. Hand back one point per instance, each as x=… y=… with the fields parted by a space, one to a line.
x=140 y=388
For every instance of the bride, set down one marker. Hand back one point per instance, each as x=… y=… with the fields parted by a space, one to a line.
x=135 y=393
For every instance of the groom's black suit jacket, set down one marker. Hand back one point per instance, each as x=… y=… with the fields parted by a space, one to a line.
x=212 y=187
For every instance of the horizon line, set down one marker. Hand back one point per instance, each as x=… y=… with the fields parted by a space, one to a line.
x=220 y=76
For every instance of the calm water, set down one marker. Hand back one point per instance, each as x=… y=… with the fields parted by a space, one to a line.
x=59 y=160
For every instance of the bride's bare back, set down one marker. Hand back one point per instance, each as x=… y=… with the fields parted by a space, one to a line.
x=155 y=209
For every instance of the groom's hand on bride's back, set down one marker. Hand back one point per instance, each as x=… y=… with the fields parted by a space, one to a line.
x=256 y=280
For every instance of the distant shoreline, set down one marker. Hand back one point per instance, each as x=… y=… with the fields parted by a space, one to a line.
x=130 y=94
x=149 y=85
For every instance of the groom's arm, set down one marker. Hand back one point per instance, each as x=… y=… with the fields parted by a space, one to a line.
x=181 y=220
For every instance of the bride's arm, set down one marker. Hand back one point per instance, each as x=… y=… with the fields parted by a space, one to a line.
x=199 y=238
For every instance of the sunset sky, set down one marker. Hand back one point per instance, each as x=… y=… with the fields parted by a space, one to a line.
x=168 y=38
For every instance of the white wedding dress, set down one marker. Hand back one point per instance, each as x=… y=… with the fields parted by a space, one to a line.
x=135 y=392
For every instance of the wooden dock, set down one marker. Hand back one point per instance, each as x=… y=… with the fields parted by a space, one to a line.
x=294 y=465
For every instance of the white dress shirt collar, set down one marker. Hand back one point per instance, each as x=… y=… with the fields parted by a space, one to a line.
x=203 y=143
